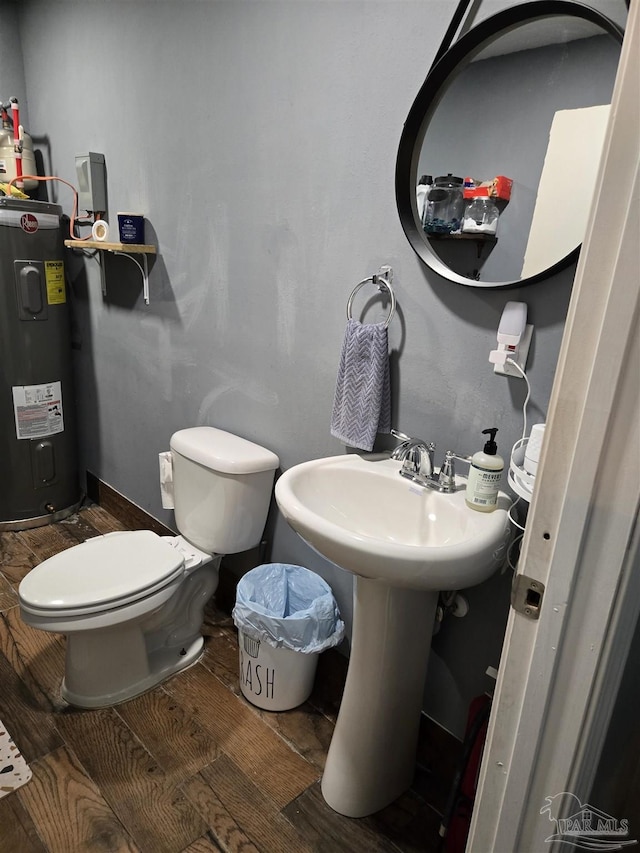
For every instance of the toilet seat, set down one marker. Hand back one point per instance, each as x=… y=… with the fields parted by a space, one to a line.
x=103 y=573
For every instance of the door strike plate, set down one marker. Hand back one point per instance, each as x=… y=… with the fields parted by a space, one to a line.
x=526 y=596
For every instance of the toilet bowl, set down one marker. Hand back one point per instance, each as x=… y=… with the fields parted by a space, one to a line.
x=131 y=603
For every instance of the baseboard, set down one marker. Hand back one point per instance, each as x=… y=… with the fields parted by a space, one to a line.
x=120 y=507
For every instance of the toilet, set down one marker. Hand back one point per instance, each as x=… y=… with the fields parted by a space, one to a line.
x=131 y=603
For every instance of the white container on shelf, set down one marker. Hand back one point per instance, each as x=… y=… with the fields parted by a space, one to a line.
x=480 y=216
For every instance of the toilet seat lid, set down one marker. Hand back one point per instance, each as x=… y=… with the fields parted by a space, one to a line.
x=104 y=570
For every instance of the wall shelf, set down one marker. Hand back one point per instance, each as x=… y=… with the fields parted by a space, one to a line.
x=479 y=238
x=126 y=249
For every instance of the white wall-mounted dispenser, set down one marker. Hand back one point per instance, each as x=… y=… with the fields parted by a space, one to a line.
x=514 y=339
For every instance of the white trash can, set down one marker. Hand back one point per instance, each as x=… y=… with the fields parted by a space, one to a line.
x=286 y=615
x=274 y=679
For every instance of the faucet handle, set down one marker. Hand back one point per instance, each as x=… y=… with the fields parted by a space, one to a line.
x=450 y=454
x=400 y=435
x=447 y=476
x=406 y=439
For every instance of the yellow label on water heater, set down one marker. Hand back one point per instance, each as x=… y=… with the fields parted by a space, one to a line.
x=54 y=276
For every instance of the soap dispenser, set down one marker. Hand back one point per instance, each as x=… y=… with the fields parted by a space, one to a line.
x=485 y=473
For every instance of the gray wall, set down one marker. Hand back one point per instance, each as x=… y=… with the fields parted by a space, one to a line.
x=12 y=81
x=259 y=139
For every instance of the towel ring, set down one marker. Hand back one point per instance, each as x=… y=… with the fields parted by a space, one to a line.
x=382 y=283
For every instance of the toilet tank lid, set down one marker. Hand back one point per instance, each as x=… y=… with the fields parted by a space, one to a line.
x=223 y=451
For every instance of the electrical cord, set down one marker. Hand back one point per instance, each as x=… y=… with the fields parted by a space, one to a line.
x=526 y=399
x=510 y=548
x=524 y=435
x=511 y=518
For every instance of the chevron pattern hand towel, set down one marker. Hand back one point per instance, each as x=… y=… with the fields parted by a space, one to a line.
x=362 y=403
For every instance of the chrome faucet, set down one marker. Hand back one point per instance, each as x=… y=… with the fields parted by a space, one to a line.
x=418 y=466
x=416 y=456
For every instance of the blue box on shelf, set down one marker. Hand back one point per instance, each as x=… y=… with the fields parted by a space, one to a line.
x=131 y=227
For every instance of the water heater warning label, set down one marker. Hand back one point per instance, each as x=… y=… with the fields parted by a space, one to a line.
x=38 y=410
x=54 y=276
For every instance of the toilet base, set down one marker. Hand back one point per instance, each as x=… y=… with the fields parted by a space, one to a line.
x=107 y=664
x=162 y=663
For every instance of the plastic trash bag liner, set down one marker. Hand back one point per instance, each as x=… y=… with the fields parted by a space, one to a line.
x=288 y=607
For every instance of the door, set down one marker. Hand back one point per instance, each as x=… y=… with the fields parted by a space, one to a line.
x=559 y=674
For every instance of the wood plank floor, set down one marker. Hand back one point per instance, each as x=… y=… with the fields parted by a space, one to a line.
x=190 y=766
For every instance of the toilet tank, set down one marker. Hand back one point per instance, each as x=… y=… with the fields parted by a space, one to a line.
x=222 y=487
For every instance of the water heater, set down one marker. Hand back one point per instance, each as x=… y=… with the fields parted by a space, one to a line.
x=38 y=458
x=8 y=161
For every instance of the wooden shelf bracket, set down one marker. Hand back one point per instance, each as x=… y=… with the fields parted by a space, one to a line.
x=126 y=249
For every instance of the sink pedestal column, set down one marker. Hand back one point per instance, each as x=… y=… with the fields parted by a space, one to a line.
x=372 y=756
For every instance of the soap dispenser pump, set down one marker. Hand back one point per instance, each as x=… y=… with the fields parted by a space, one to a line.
x=485 y=473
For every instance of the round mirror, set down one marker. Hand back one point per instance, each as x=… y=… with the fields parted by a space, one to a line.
x=499 y=154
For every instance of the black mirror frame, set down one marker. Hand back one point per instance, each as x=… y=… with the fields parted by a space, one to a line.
x=426 y=101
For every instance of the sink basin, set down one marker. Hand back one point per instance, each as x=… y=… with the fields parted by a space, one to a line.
x=403 y=543
x=358 y=512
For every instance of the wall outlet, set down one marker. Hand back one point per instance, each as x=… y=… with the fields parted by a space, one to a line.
x=520 y=357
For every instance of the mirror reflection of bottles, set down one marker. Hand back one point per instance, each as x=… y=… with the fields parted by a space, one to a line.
x=444 y=206
x=424 y=185
x=481 y=214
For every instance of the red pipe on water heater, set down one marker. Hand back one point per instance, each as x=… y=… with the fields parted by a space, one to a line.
x=17 y=141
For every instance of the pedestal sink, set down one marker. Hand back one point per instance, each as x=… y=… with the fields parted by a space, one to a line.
x=404 y=543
